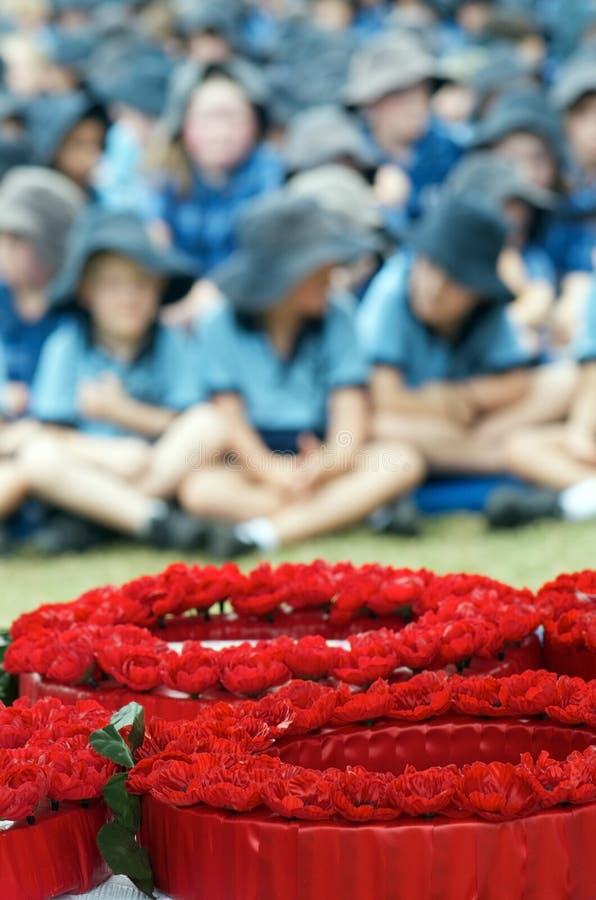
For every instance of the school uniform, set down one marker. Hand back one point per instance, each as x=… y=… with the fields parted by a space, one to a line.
x=164 y=374
x=22 y=340
x=392 y=335
x=202 y=221
x=585 y=346
x=283 y=397
x=571 y=238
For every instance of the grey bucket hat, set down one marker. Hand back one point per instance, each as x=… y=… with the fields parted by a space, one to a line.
x=282 y=239
x=389 y=63
x=343 y=192
x=485 y=172
x=103 y=231
x=577 y=79
x=40 y=205
x=325 y=134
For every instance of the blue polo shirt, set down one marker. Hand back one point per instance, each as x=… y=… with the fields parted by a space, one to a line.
x=585 y=345
x=283 y=394
x=22 y=340
x=571 y=238
x=392 y=335
x=202 y=222
x=165 y=374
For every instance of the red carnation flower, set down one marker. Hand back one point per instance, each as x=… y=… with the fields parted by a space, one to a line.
x=312 y=705
x=363 y=670
x=422 y=697
x=550 y=778
x=180 y=782
x=582 y=776
x=496 y=791
x=568 y=704
x=361 y=796
x=417 y=645
x=310 y=657
x=22 y=787
x=254 y=676
x=426 y=792
x=298 y=793
x=136 y=667
x=232 y=788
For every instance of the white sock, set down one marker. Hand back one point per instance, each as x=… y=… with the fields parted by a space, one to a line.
x=578 y=503
x=260 y=532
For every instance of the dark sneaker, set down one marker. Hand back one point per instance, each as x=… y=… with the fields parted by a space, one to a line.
x=223 y=543
x=67 y=534
x=401 y=518
x=176 y=530
x=512 y=507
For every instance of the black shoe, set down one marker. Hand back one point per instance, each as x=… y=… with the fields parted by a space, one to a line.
x=67 y=534
x=401 y=518
x=176 y=530
x=6 y=542
x=223 y=543
x=511 y=507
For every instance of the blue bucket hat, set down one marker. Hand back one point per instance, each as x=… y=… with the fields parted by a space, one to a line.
x=50 y=119
x=283 y=238
x=143 y=85
x=220 y=17
x=124 y=234
x=465 y=236
x=527 y=111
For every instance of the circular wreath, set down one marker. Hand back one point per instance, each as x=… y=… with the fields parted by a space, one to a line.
x=567 y=607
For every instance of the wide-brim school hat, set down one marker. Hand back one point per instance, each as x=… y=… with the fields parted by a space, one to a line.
x=486 y=172
x=522 y=111
x=465 y=236
x=143 y=85
x=322 y=135
x=577 y=79
x=124 y=234
x=212 y=16
x=282 y=239
x=390 y=63
x=51 y=119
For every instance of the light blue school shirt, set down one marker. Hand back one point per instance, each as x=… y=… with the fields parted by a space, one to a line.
x=283 y=394
x=165 y=374
x=585 y=345
x=391 y=334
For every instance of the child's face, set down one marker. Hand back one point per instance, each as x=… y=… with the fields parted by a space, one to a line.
x=531 y=156
x=332 y=15
x=20 y=265
x=436 y=299
x=121 y=297
x=401 y=117
x=473 y=15
x=81 y=151
x=581 y=131
x=220 y=128
x=310 y=296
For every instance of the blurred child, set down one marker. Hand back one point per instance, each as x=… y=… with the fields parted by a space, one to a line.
x=450 y=374
x=37 y=211
x=110 y=382
x=211 y=30
x=25 y=65
x=283 y=365
x=68 y=133
x=560 y=458
x=390 y=82
x=322 y=135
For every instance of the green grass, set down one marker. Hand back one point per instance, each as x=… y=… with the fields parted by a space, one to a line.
x=524 y=558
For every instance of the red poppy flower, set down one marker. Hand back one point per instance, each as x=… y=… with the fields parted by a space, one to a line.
x=22 y=787
x=232 y=788
x=423 y=696
x=78 y=776
x=568 y=704
x=550 y=778
x=361 y=706
x=192 y=671
x=477 y=696
x=496 y=791
x=310 y=657
x=528 y=693
x=137 y=668
x=417 y=645
x=254 y=676
x=582 y=776
x=312 y=705
x=426 y=792
x=361 y=796
x=179 y=782
x=363 y=670
x=298 y=793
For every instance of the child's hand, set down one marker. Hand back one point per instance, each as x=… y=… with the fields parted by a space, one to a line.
x=512 y=270
x=309 y=463
x=280 y=474
x=392 y=186
x=581 y=445
x=15 y=399
x=102 y=397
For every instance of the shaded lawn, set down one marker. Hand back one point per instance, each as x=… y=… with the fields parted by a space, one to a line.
x=460 y=543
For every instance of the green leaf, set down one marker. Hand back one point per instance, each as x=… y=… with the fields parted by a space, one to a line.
x=124 y=856
x=9 y=684
x=125 y=806
x=133 y=715
x=108 y=742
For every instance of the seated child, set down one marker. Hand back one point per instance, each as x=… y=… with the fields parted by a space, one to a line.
x=283 y=365
x=450 y=374
x=560 y=458
x=37 y=210
x=109 y=383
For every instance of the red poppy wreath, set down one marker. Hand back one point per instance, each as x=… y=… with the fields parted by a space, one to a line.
x=370 y=734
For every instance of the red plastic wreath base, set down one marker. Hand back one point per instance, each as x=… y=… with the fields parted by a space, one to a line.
x=569 y=660
x=258 y=856
x=57 y=855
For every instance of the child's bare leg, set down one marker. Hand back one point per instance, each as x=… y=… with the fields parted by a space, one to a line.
x=125 y=457
x=445 y=447
x=13 y=488
x=60 y=477
x=381 y=472
x=225 y=493
x=193 y=441
x=539 y=455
